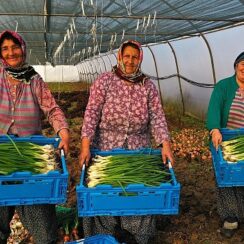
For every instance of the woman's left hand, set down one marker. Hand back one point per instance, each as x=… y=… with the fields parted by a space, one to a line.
x=64 y=144
x=167 y=153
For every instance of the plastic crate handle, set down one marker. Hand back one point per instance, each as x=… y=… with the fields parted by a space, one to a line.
x=63 y=161
x=172 y=172
x=82 y=177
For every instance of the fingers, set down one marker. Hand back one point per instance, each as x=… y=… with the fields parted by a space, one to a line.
x=65 y=147
x=216 y=138
x=84 y=159
x=167 y=153
x=164 y=159
x=169 y=157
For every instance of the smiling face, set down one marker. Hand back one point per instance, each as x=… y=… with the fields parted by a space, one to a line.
x=240 y=73
x=12 y=53
x=131 y=59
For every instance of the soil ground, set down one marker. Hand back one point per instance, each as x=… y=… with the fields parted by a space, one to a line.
x=198 y=221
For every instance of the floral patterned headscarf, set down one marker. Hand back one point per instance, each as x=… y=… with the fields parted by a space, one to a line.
x=119 y=69
x=25 y=72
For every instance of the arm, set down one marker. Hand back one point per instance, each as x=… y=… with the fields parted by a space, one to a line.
x=215 y=107
x=216 y=137
x=64 y=144
x=92 y=117
x=158 y=124
x=85 y=154
x=52 y=111
x=167 y=153
x=214 y=115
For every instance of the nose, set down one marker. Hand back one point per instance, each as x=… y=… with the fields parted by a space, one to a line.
x=10 y=52
x=130 y=60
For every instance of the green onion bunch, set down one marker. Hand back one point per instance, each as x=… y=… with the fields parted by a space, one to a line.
x=233 y=150
x=26 y=156
x=121 y=170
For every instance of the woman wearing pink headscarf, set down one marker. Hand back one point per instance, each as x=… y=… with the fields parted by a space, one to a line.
x=124 y=111
x=23 y=96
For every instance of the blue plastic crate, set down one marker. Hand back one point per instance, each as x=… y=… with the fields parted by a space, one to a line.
x=141 y=199
x=98 y=239
x=25 y=188
x=227 y=174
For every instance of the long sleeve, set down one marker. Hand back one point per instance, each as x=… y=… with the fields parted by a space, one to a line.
x=220 y=103
x=48 y=105
x=158 y=124
x=94 y=107
x=215 y=106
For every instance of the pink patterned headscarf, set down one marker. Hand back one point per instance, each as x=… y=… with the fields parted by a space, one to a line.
x=21 y=41
x=23 y=73
x=120 y=55
x=119 y=69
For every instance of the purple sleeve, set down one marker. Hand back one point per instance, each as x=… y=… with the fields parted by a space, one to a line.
x=158 y=124
x=94 y=106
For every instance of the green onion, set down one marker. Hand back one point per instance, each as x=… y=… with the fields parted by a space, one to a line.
x=233 y=150
x=121 y=170
x=26 y=156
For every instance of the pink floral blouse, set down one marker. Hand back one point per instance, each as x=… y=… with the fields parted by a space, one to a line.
x=122 y=116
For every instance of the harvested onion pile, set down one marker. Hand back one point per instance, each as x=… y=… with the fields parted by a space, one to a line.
x=191 y=144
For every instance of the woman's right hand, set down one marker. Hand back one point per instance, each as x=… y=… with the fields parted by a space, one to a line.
x=216 y=138
x=85 y=153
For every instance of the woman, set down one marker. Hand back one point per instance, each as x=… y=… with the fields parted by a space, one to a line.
x=23 y=95
x=226 y=109
x=123 y=110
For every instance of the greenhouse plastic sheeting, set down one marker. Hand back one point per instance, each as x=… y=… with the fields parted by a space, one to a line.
x=66 y=32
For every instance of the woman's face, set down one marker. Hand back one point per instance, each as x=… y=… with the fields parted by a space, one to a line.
x=11 y=53
x=130 y=58
x=240 y=72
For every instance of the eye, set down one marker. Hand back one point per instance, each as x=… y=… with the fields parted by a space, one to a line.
x=15 y=47
x=4 y=49
x=126 y=56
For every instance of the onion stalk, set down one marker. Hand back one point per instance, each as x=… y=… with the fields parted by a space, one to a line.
x=26 y=156
x=121 y=170
x=233 y=150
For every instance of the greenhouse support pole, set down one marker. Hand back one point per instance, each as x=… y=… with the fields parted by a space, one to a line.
x=79 y=75
x=99 y=65
x=83 y=74
x=87 y=76
x=104 y=63
x=91 y=69
x=178 y=74
x=211 y=57
x=200 y=33
x=83 y=71
x=96 y=64
x=109 y=61
x=156 y=68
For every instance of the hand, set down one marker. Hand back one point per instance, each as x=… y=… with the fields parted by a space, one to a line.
x=85 y=153
x=167 y=153
x=216 y=138
x=64 y=144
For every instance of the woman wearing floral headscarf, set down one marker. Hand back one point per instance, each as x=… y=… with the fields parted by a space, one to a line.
x=124 y=109
x=23 y=95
